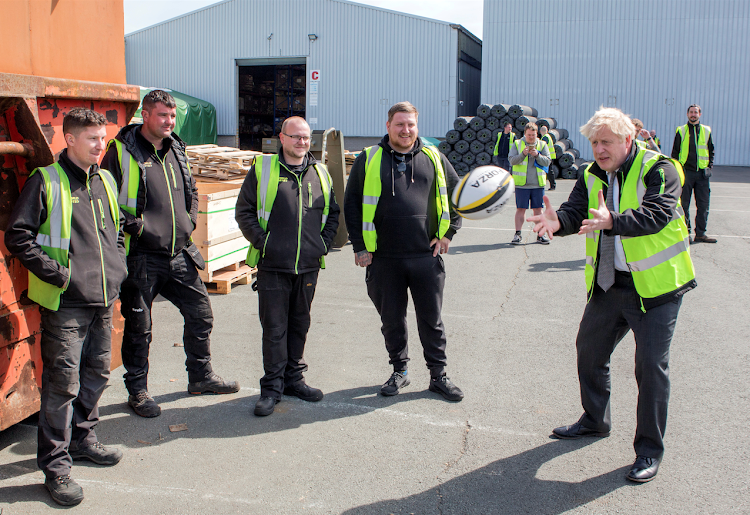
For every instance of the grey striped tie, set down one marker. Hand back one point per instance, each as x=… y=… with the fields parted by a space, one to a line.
x=606 y=274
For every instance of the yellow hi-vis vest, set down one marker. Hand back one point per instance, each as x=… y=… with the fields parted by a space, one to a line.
x=519 y=170
x=131 y=180
x=497 y=143
x=54 y=233
x=701 y=147
x=373 y=187
x=550 y=145
x=267 y=171
x=660 y=263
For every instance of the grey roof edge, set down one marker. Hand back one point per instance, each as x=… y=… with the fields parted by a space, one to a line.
x=452 y=25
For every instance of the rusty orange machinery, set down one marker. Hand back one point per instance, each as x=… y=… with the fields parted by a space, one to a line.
x=31 y=114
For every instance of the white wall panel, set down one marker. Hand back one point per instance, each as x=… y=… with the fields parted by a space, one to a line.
x=650 y=58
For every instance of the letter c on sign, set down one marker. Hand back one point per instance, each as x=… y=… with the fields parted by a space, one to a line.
x=315 y=75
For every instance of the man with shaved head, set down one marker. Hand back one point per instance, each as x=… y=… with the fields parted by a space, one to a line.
x=288 y=248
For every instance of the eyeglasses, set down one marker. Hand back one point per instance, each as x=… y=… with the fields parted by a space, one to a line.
x=401 y=168
x=296 y=137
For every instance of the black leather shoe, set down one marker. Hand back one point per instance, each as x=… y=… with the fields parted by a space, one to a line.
x=304 y=392
x=64 y=490
x=265 y=406
x=98 y=454
x=213 y=383
x=577 y=430
x=144 y=405
x=644 y=469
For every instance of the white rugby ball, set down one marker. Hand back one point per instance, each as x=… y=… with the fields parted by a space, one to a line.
x=482 y=192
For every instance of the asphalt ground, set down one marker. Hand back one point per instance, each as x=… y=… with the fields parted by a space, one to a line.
x=511 y=314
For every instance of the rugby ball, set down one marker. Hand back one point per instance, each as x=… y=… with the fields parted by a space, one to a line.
x=482 y=192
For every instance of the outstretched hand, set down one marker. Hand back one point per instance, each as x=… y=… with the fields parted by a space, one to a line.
x=602 y=218
x=546 y=223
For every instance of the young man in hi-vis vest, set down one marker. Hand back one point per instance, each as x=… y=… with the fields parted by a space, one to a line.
x=637 y=269
x=400 y=223
x=65 y=228
x=288 y=212
x=159 y=200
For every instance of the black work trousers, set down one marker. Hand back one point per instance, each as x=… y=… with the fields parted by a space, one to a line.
x=388 y=280
x=551 y=179
x=76 y=350
x=696 y=183
x=606 y=320
x=177 y=280
x=284 y=302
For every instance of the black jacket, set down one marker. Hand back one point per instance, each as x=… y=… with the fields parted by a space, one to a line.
x=87 y=286
x=293 y=241
x=691 y=164
x=161 y=173
x=653 y=215
x=406 y=216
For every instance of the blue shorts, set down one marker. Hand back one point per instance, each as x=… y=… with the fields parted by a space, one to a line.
x=524 y=196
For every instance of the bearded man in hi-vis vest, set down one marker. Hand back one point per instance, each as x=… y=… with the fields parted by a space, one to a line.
x=638 y=267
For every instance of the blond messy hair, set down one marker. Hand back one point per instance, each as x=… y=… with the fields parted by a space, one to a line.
x=617 y=121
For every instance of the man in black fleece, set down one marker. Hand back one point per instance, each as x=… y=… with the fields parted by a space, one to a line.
x=291 y=228
x=638 y=268
x=159 y=200
x=400 y=221
x=75 y=278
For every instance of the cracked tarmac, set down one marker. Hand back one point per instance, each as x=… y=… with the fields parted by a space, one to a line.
x=511 y=316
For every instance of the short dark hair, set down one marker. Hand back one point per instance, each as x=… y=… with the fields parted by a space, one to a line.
x=80 y=118
x=694 y=105
x=402 y=107
x=158 y=96
x=531 y=126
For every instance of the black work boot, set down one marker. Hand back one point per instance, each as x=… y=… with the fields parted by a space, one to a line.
x=304 y=392
x=144 y=405
x=64 y=490
x=265 y=406
x=98 y=454
x=213 y=383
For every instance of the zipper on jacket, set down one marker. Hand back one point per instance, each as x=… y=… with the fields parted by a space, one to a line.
x=299 y=222
x=309 y=194
x=174 y=181
x=98 y=239
x=266 y=243
x=171 y=200
x=101 y=213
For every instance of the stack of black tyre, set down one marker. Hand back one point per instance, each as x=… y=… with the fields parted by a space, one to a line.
x=471 y=143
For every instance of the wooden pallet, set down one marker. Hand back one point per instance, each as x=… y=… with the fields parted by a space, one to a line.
x=214 y=163
x=222 y=280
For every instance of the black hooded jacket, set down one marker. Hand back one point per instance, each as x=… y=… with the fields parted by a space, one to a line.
x=167 y=195
x=406 y=216
x=95 y=276
x=293 y=241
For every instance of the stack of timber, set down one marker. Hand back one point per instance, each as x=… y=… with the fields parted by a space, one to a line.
x=219 y=238
x=472 y=141
x=215 y=163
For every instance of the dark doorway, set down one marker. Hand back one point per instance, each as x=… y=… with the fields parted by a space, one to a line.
x=268 y=94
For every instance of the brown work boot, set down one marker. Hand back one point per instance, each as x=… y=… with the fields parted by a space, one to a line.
x=704 y=239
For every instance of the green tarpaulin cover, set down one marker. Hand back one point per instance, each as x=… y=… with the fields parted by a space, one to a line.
x=196 y=118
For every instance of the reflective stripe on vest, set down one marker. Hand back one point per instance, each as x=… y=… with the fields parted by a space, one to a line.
x=520 y=170
x=54 y=233
x=701 y=148
x=267 y=173
x=659 y=263
x=373 y=188
x=131 y=180
x=550 y=145
x=510 y=142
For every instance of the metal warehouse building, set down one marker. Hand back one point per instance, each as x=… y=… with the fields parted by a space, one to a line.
x=650 y=58
x=337 y=63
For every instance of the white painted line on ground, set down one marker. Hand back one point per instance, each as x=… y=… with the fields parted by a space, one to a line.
x=425 y=419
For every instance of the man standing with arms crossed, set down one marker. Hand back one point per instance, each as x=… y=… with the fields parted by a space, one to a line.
x=694 y=149
x=638 y=268
x=159 y=199
x=288 y=212
x=67 y=213
x=399 y=221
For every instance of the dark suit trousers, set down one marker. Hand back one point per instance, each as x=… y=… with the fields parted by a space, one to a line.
x=606 y=320
x=388 y=282
x=284 y=302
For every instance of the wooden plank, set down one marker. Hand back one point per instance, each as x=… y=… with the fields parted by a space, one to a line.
x=223 y=280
